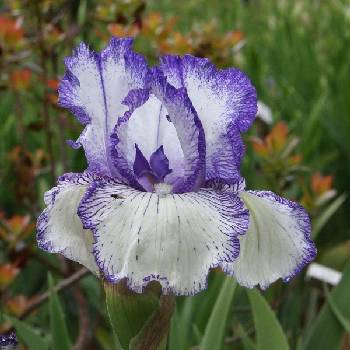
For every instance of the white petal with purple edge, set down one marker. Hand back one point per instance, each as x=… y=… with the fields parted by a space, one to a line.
x=59 y=228
x=171 y=238
x=225 y=101
x=161 y=116
x=277 y=243
x=93 y=88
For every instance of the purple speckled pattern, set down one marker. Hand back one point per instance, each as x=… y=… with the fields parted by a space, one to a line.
x=93 y=89
x=182 y=115
x=226 y=103
x=50 y=197
x=97 y=209
x=161 y=199
x=8 y=340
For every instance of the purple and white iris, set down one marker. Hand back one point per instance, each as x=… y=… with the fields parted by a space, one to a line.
x=162 y=198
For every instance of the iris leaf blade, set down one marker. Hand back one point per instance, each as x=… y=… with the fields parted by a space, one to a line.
x=60 y=336
x=270 y=335
x=215 y=329
x=327 y=331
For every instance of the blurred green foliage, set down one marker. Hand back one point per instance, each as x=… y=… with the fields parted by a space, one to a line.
x=297 y=55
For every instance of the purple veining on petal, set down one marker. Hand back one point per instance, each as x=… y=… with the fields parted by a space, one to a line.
x=228 y=205
x=173 y=99
x=235 y=98
x=7 y=340
x=50 y=197
x=235 y=185
x=160 y=164
x=300 y=214
x=133 y=100
x=181 y=111
x=112 y=73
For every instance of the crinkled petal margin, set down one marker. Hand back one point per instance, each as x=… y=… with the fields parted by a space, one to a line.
x=59 y=229
x=226 y=103
x=278 y=242
x=174 y=239
x=93 y=89
x=182 y=115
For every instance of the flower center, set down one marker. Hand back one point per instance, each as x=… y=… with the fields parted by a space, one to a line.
x=162 y=189
x=153 y=172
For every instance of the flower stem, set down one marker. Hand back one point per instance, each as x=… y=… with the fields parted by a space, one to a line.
x=139 y=321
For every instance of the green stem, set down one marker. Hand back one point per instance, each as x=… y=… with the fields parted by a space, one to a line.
x=139 y=321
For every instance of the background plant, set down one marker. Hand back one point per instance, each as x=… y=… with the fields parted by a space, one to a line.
x=295 y=52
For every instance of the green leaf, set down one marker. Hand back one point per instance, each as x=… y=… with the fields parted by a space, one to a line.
x=216 y=327
x=60 y=337
x=327 y=214
x=248 y=344
x=327 y=330
x=29 y=335
x=334 y=307
x=270 y=335
x=181 y=326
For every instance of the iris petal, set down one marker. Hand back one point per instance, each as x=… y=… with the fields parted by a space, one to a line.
x=93 y=88
x=277 y=243
x=225 y=101
x=59 y=229
x=172 y=238
x=147 y=124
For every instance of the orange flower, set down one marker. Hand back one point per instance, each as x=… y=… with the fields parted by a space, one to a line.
x=277 y=138
x=53 y=84
x=20 y=79
x=11 y=31
x=321 y=184
x=120 y=30
x=259 y=147
x=18 y=304
x=8 y=273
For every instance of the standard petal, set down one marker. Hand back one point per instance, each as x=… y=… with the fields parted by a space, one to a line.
x=174 y=239
x=59 y=229
x=161 y=116
x=226 y=103
x=93 y=88
x=277 y=244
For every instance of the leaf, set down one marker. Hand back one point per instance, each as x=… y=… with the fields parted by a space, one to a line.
x=29 y=335
x=327 y=331
x=327 y=214
x=341 y=318
x=248 y=344
x=270 y=335
x=181 y=326
x=60 y=337
x=215 y=329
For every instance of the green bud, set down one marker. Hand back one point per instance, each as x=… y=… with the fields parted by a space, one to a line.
x=139 y=321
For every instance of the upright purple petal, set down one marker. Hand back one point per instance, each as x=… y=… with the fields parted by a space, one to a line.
x=160 y=164
x=93 y=88
x=167 y=119
x=225 y=101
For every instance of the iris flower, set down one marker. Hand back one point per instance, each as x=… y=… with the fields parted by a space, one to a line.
x=162 y=197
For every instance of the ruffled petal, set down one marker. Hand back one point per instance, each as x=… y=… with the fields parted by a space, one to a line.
x=59 y=229
x=171 y=238
x=226 y=103
x=277 y=244
x=93 y=88
x=161 y=116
